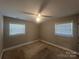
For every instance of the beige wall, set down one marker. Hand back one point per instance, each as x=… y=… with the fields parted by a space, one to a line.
x=1 y=33
x=48 y=29
x=44 y=30
x=77 y=46
x=31 y=32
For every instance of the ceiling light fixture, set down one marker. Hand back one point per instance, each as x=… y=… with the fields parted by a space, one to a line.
x=38 y=19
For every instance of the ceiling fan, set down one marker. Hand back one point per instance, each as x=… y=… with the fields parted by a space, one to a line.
x=42 y=7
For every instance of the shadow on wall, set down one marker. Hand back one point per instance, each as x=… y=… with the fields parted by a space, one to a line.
x=31 y=32
x=1 y=33
x=48 y=32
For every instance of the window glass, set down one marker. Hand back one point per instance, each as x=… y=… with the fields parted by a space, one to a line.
x=15 y=29
x=64 y=29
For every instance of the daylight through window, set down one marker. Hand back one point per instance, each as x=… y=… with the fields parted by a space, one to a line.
x=15 y=29
x=65 y=29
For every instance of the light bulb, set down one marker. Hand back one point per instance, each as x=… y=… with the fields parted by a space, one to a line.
x=38 y=19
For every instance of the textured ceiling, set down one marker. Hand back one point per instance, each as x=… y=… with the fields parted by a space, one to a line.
x=54 y=8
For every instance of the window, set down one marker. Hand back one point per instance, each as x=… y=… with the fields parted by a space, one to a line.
x=65 y=29
x=15 y=29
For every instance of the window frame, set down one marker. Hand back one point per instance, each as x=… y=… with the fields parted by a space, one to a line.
x=17 y=33
x=64 y=35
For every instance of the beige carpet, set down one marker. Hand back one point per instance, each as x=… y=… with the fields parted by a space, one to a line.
x=37 y=50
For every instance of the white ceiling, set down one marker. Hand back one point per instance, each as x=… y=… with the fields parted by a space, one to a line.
x=55 y=8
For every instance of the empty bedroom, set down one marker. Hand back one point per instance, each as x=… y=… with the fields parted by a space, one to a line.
x=39 y=29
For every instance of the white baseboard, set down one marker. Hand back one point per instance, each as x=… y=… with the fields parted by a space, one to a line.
x=17 y=46
x=61 y=47
x=20 y=45
x=27 y=43
x=1 y=55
